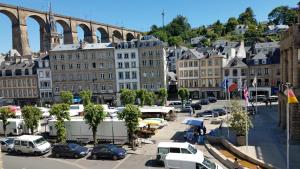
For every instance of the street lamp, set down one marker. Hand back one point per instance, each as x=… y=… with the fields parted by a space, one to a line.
x=112 y=129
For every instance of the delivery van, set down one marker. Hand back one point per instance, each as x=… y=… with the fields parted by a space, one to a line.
x=30 y=144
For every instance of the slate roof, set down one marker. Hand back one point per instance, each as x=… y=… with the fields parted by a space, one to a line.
x=191 y=54
x=236 y=62
x=260 y=55
x=68 y=47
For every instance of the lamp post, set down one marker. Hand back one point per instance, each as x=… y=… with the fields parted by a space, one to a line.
x=112 y=129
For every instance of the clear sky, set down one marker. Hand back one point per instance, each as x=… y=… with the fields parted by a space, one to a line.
x=137 y=14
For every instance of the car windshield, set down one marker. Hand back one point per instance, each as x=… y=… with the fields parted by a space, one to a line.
x=73 y=146
x=74 y=107
x=209 y=164
x=39 y=141
x=192 y=149
x=10 y=141
x=112 y=147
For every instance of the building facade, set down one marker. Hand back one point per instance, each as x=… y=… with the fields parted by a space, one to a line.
x=153 y=64
x=77 y=67
x=127 y=66
x=44 y=79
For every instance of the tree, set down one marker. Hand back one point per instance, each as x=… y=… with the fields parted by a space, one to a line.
x=150 y=98
x=231 y=24
x=66 y=97
x=94 y=115
x=62 y=114
x=141 y=94
x=161 y=34
x=86 y=96
x=252 y=35
x=5 y=113
x=218 y=28
x=128 y=96
x=131 y=115
x=283 y=15
x=178 y=25
x=183 y=94
x=31 y=116
x=175 y=41
x=162 y=95
x=247 y=17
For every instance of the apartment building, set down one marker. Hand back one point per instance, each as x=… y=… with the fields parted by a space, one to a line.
x=44 y=79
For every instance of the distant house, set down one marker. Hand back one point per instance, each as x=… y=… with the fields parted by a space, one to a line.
x=276 y=29
x=197 y=40
x=241 y=29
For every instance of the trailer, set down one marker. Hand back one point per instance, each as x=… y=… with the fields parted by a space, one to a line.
x=15 y=127
x=77 y=130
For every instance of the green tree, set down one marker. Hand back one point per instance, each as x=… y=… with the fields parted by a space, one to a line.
x=150 y=98
x=183 y=94
x=86 y=96
x=247 y=17
x=61 y=112
x=218 y=28
x=131 y=115
x=161 y=35
x=66 y=97
x=178 y=25
x=141 y=94
x=283 y=15
x=231 y=24
x=94 y=115
x=162 y=96
x=128 y=96
x=31 y=116
x=5 y=113
x=175 y=41
x=252 y=35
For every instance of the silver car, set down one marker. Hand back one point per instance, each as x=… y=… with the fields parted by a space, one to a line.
x=7 y=144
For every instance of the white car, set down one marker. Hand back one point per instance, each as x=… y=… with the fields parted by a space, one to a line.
x=30 y=144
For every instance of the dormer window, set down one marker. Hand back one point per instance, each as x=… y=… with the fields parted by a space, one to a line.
x=264 y=61
x=256 y=62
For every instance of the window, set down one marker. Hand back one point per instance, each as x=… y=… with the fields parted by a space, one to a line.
x=24 y=143
x=101 y=75
x=243 y=72
x=62 y=67
x=128 y=86
x=41 y=74
x=119 y=55
x=145 y=86
x=62 y=57
x=127 y=75
x=256 y=62
x=226 y=72
x=174 y=150
x=133 y=75
x=191 y=73
x=190 y=64
x=86 y=65
x=121 y=75
x=234 y=72
x=195 y=63
x=120 y=64
x=110 y=76
x=217 y=62
x=217 y=72
x=266 y=82
x=258 y=71
x=163 y=150
x=210 y=72
x=55 y=67
x=103 y=87
x=102 y=65
x=70 y=57
x=150 y=62
x=133 y=55
x=209 y=62
x=144 y=63
x=70 y=66
x=195 y=73
x=133 y=64
x=210 y=83
x=185 y=151
x=203 y=63
x=126 y=56
x=259 y=82
x=121 y=86
x=126 y=64
x=134 y=86
x=203 y=72
x=17 y=142
x=266 y=71
x=185 y=64
x=78 y=66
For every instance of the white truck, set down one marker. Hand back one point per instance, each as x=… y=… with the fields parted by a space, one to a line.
x=79 y=130
x=15 y=127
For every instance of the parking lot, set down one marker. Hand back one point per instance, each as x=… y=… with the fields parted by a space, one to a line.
x=143 y=157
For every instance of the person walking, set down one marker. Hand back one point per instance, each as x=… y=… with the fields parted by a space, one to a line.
x=236 y=164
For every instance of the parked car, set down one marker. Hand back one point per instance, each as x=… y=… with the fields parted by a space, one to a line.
x=175 y=104
x=187 y=109
x=31 y=144
x=212 y=99
x=108 y=151
x=220 y=111
x=207 y=113
x=7 y=144
x=204 y=102
x=197 y=106
x=273 y=99
x=69 y=150
x=261 y=98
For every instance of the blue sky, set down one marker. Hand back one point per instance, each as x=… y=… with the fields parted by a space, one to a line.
x=137 y=14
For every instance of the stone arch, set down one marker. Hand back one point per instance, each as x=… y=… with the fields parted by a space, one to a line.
x=10 y=15
x=67 y=32
x=43 y=31
x=129 y=36
x=104 y=35
x=88 y=34
x=117 y=36
x=14 y=32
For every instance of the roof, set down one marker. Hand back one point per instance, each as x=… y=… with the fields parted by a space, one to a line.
x=260 y=55
x=241 y=53
x=236 y=62
x=13 y=52
x=267 y=45
x=191 y=54
x=23 y=65
x=28 y=137
x=172 y=76
x=173 y=144
x=185 y=157
x=87 y=46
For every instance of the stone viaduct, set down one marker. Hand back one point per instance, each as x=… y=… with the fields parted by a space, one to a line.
x=18 y=16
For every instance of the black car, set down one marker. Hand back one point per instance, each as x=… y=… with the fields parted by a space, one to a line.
x=204 y=102
x=212 y=99
x=220 y=111
x=69 y=150
x=197 y=106
x=110 y=151
x=208 y=113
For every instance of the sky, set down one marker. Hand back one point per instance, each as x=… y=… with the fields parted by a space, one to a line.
x=136 y=14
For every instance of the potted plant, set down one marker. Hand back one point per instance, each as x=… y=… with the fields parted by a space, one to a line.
x=239 y=122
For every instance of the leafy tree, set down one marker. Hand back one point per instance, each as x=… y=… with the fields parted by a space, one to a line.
x=218 y=28
x=231 y=24
x=178 y=25
x=205 y=42
x=131 y=115
x=141 y=94
x=183 y=94
x=283 y=15
x=252 y=35
x=94 y=115
x=86 y=96
x=31 y=116
x=175 y=41
x=5 y=113
x=62 y=114
x=150 y=98
x=66 y=97
x=162 y=95
x=128 y=96
x=247 y=17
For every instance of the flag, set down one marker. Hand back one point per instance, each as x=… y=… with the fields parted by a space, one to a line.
x=224 y=84
x=232 y=87
x=246 y=93
x=291 y=96
x=254 y=82
x=240 y=84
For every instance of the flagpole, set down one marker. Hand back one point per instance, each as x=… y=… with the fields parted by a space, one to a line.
x=256 y=94
x=287 y=131
x=226 y=94
x=246 y=106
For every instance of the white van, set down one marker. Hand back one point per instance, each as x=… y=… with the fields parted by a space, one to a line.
x=164 y=148
x=30 y=144
x=189 y=161
x=175 y=104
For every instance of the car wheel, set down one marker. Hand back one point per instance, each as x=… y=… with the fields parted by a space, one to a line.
x=35 y=153
x=9 y=150
x=19 y=152
x=94 y=157
x=76 y=156
x=57 y=155
x=114 y=157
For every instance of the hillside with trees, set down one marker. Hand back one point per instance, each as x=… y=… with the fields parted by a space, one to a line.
x=179 y=31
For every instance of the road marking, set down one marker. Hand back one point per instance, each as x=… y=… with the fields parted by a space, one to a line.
x=122 y=161
x=67 y=162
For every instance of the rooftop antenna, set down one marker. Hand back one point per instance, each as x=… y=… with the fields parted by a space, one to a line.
x=163 y=18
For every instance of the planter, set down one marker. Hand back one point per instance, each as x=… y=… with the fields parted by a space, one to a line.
x=241 y=140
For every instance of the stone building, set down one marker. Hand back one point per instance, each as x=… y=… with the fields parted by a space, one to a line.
x=18 y=79
x=153 y=65
x=289 y=66
x=44 y=79
x=82 y=66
